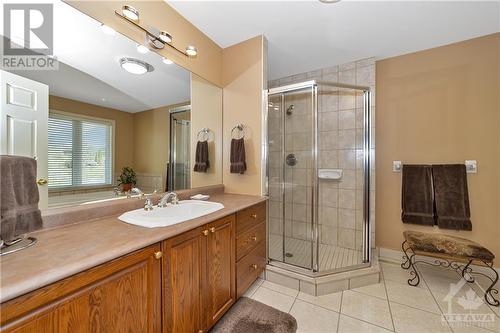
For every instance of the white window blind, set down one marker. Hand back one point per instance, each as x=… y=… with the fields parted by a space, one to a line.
x=79 y=151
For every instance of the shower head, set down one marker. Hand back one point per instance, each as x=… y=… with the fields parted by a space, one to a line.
x=290 y=109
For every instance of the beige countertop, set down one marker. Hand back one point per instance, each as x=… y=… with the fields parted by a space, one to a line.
x=73 y=248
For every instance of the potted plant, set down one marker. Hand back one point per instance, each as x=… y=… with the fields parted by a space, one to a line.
x=127 y=179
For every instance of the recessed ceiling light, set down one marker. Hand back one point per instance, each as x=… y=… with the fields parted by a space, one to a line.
x=165 y=37
x=191 y=51
x=167 y=61
x=107 y=30
x=135 y=66
x=142 y=49
x=329 y=1
x=130 y=12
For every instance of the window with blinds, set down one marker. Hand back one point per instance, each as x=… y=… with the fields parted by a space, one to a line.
x=80 y=151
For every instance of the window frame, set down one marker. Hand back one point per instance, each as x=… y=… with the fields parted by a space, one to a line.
x=78 y=116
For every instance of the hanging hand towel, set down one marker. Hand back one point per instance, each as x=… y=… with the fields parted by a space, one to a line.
x=238 y=159
x=417 y=199
x=201 y=159
x=451 y=196
x=18 y=197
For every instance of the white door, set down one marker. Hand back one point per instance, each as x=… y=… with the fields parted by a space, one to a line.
x=24 y=114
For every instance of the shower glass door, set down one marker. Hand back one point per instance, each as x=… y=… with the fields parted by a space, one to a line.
x=291 y=137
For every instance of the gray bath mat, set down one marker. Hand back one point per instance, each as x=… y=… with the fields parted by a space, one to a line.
x=248 y=316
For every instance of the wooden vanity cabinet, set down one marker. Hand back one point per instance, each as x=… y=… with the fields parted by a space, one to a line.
x=122 y=295
x=198 y=277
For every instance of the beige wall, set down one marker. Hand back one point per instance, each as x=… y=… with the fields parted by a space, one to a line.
x=243 y=76
x=152 y=137
x=124 y=126
x=206 y=111
x=208 y=63
x=440 y=106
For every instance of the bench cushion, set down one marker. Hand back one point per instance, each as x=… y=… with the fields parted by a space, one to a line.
x=446 y=244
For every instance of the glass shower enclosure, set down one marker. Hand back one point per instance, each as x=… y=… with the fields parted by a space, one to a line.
x=318 y=179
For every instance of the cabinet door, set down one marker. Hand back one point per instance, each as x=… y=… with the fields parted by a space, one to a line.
x=119 y=296
x=182 y=300
x=219 y=288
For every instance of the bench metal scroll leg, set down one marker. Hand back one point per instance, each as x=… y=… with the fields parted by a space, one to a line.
x=488 y=295
x=409 y=262
x=466 y=273
x=406 y=257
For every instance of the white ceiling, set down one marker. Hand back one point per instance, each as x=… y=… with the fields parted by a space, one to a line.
x=307 y=35
x=89 y=70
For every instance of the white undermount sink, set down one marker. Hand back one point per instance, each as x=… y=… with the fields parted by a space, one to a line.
x=170 y=215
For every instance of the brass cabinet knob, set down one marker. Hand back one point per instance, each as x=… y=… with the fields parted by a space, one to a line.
x=254 y=238
x=42 y=181
x=205 y=232
x=158 y=254
x=254 y=216
x=254 y=266
x=212 y=230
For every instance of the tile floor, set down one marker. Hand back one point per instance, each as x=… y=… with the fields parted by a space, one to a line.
x=389 y=306
x=330 y=257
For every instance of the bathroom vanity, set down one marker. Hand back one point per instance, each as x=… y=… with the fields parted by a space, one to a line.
x=182 y=278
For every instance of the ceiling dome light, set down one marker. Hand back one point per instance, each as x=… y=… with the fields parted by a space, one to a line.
x=108 y=30
x=135 y=66
x=142 y=49
x=167 y=61
x=191 y=51
x=130 y=12
x=165 y=37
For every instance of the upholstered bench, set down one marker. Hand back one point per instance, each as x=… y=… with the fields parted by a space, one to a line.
x=449 y=252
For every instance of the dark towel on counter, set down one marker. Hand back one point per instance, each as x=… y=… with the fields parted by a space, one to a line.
x=19 y=213
x=451 y=196
x=238 y=159
x=201 y=163
x=417 y=195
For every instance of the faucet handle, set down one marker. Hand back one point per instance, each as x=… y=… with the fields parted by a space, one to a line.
x=148 y=204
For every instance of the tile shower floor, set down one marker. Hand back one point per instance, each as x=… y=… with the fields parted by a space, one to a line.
x=389 y=306
x=330 y=257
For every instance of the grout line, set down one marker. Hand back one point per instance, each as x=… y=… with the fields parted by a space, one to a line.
x=279 y=292
x=388 y=303
x=340 y=310
x=294 y=300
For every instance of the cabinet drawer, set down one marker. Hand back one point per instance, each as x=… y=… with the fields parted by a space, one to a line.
x=249 y=239
x=250 y=267
x=249 y=217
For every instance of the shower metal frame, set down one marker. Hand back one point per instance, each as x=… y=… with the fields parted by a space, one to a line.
x=366 y=251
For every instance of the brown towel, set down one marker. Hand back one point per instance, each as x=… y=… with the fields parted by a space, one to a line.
x=238 y=159
x=417 y=195
x=201 y=158
x=19 y=197
x=451 y=196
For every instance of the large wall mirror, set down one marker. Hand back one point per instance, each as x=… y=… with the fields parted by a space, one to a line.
x=117 y=114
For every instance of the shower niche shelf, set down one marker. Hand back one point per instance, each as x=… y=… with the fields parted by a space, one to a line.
x=330 y=174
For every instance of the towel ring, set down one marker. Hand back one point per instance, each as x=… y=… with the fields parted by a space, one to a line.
x=205 y=134
x=241 y=131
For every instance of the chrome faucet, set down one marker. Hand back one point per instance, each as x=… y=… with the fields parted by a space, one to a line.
x=172 y=196
x=137 y=190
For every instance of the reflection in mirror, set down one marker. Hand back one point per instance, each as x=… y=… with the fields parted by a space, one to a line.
x=116 y=116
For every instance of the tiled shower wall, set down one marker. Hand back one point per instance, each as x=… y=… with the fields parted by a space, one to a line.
x=340 y=115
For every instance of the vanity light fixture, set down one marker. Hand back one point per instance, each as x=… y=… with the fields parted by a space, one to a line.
x=142 y=49
x=108 y=30
x=155 y=38
x=167 y=61
x=130 y=12
x=135 y=66
x=191 y=51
